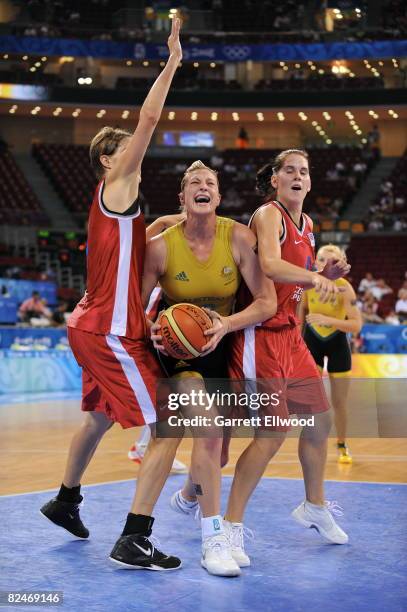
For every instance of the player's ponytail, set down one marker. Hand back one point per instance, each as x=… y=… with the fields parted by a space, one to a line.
x=264 y=187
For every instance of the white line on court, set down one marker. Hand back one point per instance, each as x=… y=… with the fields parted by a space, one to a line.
x=99 y=484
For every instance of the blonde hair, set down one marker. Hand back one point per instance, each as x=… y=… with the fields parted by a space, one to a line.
x=105 y=142
x=197 y=165
x=338 y=252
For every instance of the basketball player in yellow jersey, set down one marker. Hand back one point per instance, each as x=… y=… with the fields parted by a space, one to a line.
x=327 y=326
x=201 y=260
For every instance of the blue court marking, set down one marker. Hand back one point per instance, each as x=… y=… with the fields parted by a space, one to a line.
x=293 y=569
x=29 y=398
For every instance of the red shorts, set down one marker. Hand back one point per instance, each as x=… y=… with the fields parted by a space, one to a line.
x=119 y=377
x=281 y=363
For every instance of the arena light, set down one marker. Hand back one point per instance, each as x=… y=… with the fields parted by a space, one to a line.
x=76 y=112
x=235 y=117
x=328 y=141
x=335 y=69
x=395 y=116
x=314 y=123
x=352 y=122
x=12 y=110
x=359 y=132
x=146 y=63
x=364 y=141
x=282 y=64
x=196 y=64
x=25 y=57
x=194 y=116
x=33 y=69
x=171 y=115
x=44 y=58
x=313 y=67
x=357 y=10
x=260 y=116
x=129 y=63
x=280 y=116
x=5 y=56
x=326 y=116
x=37 y=64
x=212 y=65
x=297 y=66
x=66 y=59
x=381 y=63
x=285 y=68
x=162 y=64
x=321 y=71
x=125 y=114
x=214 y=116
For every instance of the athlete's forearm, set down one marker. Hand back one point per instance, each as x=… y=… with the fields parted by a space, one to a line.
x=154 y=103
x=345 y=325
x=258 y=311
x=282 y=271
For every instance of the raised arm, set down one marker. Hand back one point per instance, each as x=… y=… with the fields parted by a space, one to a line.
x=128 y=170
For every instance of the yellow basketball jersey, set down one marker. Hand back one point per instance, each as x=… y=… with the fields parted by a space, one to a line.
x=335 y=309
x=212 y=283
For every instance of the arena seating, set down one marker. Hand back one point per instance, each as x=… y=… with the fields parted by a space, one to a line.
x=68 y=168
x=384 y=257
x=320 y=83
x=18 y=204
x=389 y=210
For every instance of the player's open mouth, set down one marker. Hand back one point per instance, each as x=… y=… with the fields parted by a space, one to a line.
x=296 y=187
x=202 y=199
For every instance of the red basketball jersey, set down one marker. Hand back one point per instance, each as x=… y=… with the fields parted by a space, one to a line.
x=297 y=247
x=115 y=256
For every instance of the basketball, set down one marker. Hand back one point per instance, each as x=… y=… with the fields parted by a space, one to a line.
x=182 y=330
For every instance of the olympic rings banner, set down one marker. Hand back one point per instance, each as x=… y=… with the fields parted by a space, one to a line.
x=216 y=52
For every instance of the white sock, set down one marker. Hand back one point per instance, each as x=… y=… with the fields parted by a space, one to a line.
x=211 y=526
x=187 y=502
x=314 y=506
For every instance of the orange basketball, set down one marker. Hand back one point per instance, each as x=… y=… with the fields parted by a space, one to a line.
x=182 y=330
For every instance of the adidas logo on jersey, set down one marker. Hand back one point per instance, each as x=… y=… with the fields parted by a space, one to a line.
x=181 y=276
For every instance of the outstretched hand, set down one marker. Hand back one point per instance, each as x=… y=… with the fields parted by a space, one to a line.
x=173 y=42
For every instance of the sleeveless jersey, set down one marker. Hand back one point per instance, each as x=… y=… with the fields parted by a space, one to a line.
x=335 y=309
x=297 y=247
x=212 y=283
x=115 y=256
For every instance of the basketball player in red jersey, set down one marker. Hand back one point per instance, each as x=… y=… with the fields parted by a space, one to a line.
x=107 y=331
x=276 y=350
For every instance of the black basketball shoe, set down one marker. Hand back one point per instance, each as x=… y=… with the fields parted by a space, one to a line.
x=138 y=552
x=66 y=515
